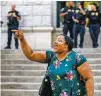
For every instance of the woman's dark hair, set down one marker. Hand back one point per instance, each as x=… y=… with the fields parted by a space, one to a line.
x=68 y=41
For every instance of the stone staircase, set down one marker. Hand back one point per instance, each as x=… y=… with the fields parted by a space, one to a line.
x=22 y=77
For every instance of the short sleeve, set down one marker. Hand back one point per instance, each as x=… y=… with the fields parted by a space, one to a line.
x=9 y=12
x=80 y=59
x=49 y=55
x=88 y=15
x=85 y=12
x=99 y=15
x=74 y=14
x=63 y=10
x=18 y=14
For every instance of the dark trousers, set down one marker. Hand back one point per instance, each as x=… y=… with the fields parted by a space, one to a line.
x=10 y=36
x=94 y=30
x=78 y=29
x=68 y=27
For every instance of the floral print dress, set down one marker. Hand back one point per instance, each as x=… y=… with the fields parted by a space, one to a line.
x=64 y=77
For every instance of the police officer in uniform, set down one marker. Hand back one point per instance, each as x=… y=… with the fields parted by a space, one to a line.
x=79 y=18
x=67 y=13
x=13 y=17
x=93 y=17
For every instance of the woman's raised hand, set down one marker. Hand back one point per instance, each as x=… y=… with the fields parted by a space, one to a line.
x=18 y=34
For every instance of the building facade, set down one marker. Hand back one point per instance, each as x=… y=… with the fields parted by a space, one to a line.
x=39 y=19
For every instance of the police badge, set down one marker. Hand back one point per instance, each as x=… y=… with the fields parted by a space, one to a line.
x=72 y=10
x=69 y=10
x=96 y=13
x=77 y=11
x=92 y=13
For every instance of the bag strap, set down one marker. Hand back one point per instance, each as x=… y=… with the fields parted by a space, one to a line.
x=52 y=55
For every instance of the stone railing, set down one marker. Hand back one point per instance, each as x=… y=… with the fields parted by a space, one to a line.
x=43 y=37
x=37 y=37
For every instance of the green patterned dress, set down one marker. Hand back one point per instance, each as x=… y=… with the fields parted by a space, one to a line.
x=64 y=77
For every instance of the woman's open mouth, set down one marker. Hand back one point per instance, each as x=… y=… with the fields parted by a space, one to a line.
x=55 y=46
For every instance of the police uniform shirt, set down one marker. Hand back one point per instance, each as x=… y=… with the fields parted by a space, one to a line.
x=68 y=16
x=79 y=16
x=12 y=21
x=94 y=17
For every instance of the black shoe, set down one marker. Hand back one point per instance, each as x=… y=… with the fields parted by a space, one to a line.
x=7 y=47
x=16 y=47
x=80 y=46
x=74 y=46
x=95 y=46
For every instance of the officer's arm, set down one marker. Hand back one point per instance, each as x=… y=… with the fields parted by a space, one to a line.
x=100 y=19
x=63 y=12
x=82 y=11
x=18 y=16
x=87 y=21
x=85 y=71
x=75 y=20
x=38 y=56
x=8 y=15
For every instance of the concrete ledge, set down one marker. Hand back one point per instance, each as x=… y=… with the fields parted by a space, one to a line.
x=34 y=36
x=87 y=38
x=30 y=29
x=20 y=92
x=42 y=29
x=61 y=30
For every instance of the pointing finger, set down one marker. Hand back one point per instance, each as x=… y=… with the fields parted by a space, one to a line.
x=14 y=30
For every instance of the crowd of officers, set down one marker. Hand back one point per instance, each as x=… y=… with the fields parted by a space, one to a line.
x=76 y=19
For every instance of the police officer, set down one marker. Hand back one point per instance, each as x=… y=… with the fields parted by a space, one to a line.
x=13 y=17
x=79 y=18
x=67 y=13
x=94 y=17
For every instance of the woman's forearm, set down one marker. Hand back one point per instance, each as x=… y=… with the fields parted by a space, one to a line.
x=26 y=48
x=90 y=87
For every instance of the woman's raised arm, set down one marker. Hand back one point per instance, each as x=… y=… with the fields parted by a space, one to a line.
x=39 y=56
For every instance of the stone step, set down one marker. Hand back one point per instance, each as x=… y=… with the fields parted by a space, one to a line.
x=21 y=56
x=11 y=51
x=92 y=55
x=20 y=85
x=20 y=92
x=83 y=50
x=36 y=66
x=23 y=72
x=95 y=66
x=88 y=50
x=97 y=92
x=13 y=56
x=97 y=86
x=34 y=79
x=18 y=62
x=34 y=72
x=24 y=66
x=34 y=86
x=90 y=61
